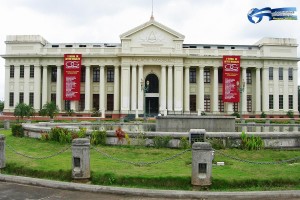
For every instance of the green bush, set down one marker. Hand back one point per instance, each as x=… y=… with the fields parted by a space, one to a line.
x=98 y=137
x=61 y=135
x=216 y=143
x=184 y=143
x=161 y=141
x=251 y=143
x=17 y=130
x=236 y=114
x=290 y=114
x=263 y=115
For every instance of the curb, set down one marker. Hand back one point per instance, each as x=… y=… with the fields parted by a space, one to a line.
x=290 y=194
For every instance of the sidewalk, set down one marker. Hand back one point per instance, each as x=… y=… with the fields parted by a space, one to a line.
x=291 y=194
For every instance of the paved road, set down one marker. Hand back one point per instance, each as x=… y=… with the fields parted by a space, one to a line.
x=13 y=191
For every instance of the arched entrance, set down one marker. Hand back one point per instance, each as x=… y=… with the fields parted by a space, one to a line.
x=152 y=95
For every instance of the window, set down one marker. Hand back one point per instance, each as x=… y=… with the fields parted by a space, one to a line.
x=96 y=74
x=290 y=74
x=11 y=99
x=291 y=106
x=110 y=102
x=220 y=75
x=53 y=74
x=82 y=102
x=221 y=104
x=82 y=75
x=270 y=73
x=206 y=76
x=31 y=98
x=236 y=107
x=271 y=101
x=249 y=103
x=53 y=97
x=249 y=76
x=22 y=71
x=280 y=73
x=192 y=75
x=21 y=97
x=280 y=101
x=31 y=73
x=12 y=71
x=96 y=101
x=193 y=103
x=110 y=74
x=67 y=105
x=207 y=103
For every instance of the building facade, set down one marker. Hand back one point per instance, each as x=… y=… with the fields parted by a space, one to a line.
x=183 y=78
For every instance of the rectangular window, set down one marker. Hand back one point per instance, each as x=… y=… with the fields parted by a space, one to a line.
x=206 y=75
x=220 y=75
x=31 y=98
x=193 y=103
x=53 y=74
x=110 y=102
x=82 y=75
x=53 y=97
x=67 y=105
x=221 y=104
x=31 y=72
x=271 y=101
x=11 y=71
x=280 y=101
x=207 y=103
x=22 y=71
x=270 y=73
x=21 y=97
x=192 y=75
x=96 y=101
x=82 y=102
x=96 y=74
x=291 y=106
x=11 y=99
x=249 y=103
x=290 y=74
x=236 y=107
x=280 y=73
x=249 y=76
x=110 y=74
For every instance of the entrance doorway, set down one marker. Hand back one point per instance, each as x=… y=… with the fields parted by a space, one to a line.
x=152 y=106
x=152 y=96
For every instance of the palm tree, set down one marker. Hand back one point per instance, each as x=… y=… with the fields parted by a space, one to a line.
x=50 y=109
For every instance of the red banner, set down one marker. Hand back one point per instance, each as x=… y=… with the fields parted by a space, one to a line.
x=231 y=78
x=72 y=72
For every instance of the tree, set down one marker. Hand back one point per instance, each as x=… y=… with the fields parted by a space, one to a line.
x=23 y=110
x=1 y=105
x=50 y=109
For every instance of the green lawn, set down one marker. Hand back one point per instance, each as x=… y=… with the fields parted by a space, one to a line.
x=174 y=174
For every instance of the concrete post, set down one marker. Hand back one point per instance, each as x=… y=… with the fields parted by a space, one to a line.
x=6 y=124
x=2 y=151
x=81 y=159
x=202 y=156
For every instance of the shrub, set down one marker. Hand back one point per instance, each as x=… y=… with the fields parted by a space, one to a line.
x=81 y=133
x=184 y=143
x=17 y=130
x=236 y=114
x=141 y=139
x=61 y=135
x=290 y=114
x=203 y=113
x=251 y=143
x=216 y=143
x=161 y=141
x=98 y=137
x=263 y=115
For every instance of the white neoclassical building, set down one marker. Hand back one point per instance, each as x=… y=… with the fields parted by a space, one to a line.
x=183 y=78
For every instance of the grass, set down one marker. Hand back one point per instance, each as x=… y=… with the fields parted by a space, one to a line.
x=174 y=174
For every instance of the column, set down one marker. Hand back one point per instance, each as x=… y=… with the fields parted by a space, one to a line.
x=58 y=87
x=244 y=94
x=170 y=88
x=229 y=107
x=187 y=88
x=285 y=90
x=37 y=87
x=26 y=84
x=201 y=90
x=265 y=89
x=257 y=91
x=140 y=91
x=16 y=85
x=125 y=88
x=116 y=90
x=133 y=88
x=295 y=90
x=276 y=89
x=7 y=88
x=87 y=95
x=102 y=92
x=45 y=86
x=215 y=91
x=163 y=90
x=178 y=85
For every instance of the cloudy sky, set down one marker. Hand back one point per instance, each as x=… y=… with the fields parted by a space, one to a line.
x=201 y=21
